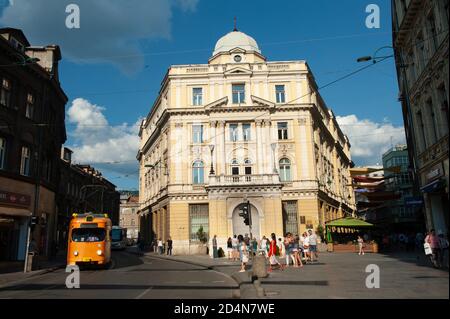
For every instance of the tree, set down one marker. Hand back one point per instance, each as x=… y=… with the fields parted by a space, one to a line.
x=320 y=232
x=202 y=236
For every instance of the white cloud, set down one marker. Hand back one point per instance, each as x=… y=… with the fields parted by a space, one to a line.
x=110 y=29
x=96 y=141
x=368 y=139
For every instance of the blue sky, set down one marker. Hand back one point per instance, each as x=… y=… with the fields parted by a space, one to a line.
x=115 y=63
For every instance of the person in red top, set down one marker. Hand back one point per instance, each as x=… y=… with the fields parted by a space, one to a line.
x=273 y=261
x=433 y=240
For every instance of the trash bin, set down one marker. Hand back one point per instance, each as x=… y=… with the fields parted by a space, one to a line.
x=259 y=267
x=31 y=262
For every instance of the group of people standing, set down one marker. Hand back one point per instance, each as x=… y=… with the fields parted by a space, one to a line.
x=295 y=249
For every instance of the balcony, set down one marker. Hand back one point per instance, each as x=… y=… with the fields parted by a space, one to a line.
x=239 y=180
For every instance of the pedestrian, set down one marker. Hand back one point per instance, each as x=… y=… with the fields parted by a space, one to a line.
x=243 y=253
x=230 y=248
x=443 y=244
x=433 y=241
x=313 y=245
x=297 y=252
x=287 y=249
x=361 y=245
x=214 y=244
x=155 y=245
x=169 y=246
x=254 y=246
x=419 y=241
x=281 y=248
x=235 y=243
x=306 y=246
x=263 y=245
x=160 y=246
x=273 y=261
x=247 y=240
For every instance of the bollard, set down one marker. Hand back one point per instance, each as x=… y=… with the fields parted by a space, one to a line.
x=259 y=269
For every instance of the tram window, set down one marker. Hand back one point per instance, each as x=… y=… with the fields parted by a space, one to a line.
x=88 y=234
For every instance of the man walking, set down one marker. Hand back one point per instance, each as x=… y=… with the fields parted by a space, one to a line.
x=312 y=245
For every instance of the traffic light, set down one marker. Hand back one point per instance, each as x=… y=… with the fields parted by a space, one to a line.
x=34 y=220
x=245 y=213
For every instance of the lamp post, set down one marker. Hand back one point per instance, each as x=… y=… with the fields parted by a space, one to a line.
x=211 y=171
x=274 y=146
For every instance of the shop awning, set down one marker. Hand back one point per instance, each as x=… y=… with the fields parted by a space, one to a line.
x=14 y=212
x=433 y=186
x=348 y=222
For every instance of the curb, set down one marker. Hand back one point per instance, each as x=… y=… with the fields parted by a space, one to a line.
x=32 y=274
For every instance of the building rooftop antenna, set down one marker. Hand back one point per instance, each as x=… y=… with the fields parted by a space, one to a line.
x=235 y=24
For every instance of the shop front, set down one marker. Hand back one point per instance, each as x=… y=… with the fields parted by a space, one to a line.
x=14 y=216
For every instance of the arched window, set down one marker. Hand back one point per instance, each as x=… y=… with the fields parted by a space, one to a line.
x=198 y=169
x=285 y=170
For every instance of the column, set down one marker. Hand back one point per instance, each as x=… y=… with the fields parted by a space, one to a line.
x=222 y=154
x=259 y=148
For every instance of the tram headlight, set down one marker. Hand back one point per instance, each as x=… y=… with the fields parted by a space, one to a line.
x=75 y=253
x=99 y=252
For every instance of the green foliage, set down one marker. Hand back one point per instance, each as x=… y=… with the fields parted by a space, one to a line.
x=202 y=236
x=320 y=231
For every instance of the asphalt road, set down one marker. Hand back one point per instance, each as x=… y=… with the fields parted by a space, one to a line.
x=130 y=277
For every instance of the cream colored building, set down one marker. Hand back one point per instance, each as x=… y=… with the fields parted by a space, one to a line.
x=240 y=128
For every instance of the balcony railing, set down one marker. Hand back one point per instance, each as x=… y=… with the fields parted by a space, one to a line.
x=254 y=179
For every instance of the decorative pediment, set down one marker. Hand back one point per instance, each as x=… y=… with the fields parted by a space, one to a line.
x=261 y=102
x=238 y=71
x=237 y=50
x=217 y=103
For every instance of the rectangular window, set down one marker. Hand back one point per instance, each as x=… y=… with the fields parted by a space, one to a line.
x=235 y=170
x=198 y=218
x=434 y=125
x=282 y=131
x=5 y=94
x=197 y=133
x=233 y=132
x=280 y=93
x=25 y=161
x=421 y=132
x=238 y=93
x=2 y=152
x=443 y=106
x=290 y=212
x=197 y=96
x=29 y=111
x=246 y=132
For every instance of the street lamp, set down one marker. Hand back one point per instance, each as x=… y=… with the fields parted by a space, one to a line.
x=211 y=171
x=374 y=58
x=274 y=146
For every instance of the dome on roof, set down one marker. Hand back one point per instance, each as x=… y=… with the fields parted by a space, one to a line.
x=236 y=39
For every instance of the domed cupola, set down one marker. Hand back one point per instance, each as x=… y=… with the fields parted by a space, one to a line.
x=236 y=39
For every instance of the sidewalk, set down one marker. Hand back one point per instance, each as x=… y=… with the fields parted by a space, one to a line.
x=12 y=272
x=337 y=275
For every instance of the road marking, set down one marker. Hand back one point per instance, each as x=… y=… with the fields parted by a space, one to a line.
x=144 y=293
x=218 y=281
x=194 y=282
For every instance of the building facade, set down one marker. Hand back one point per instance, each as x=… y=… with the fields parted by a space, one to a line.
x=405 y=213
x=235 y=129
x=32 y=130
x=82 y=189
x=420 y=39
x=129 y=218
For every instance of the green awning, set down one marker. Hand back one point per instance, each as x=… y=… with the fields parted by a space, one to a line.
x=348 y=222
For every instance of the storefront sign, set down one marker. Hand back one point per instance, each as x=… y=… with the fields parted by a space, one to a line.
x=14 y=199
x=434 y=173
